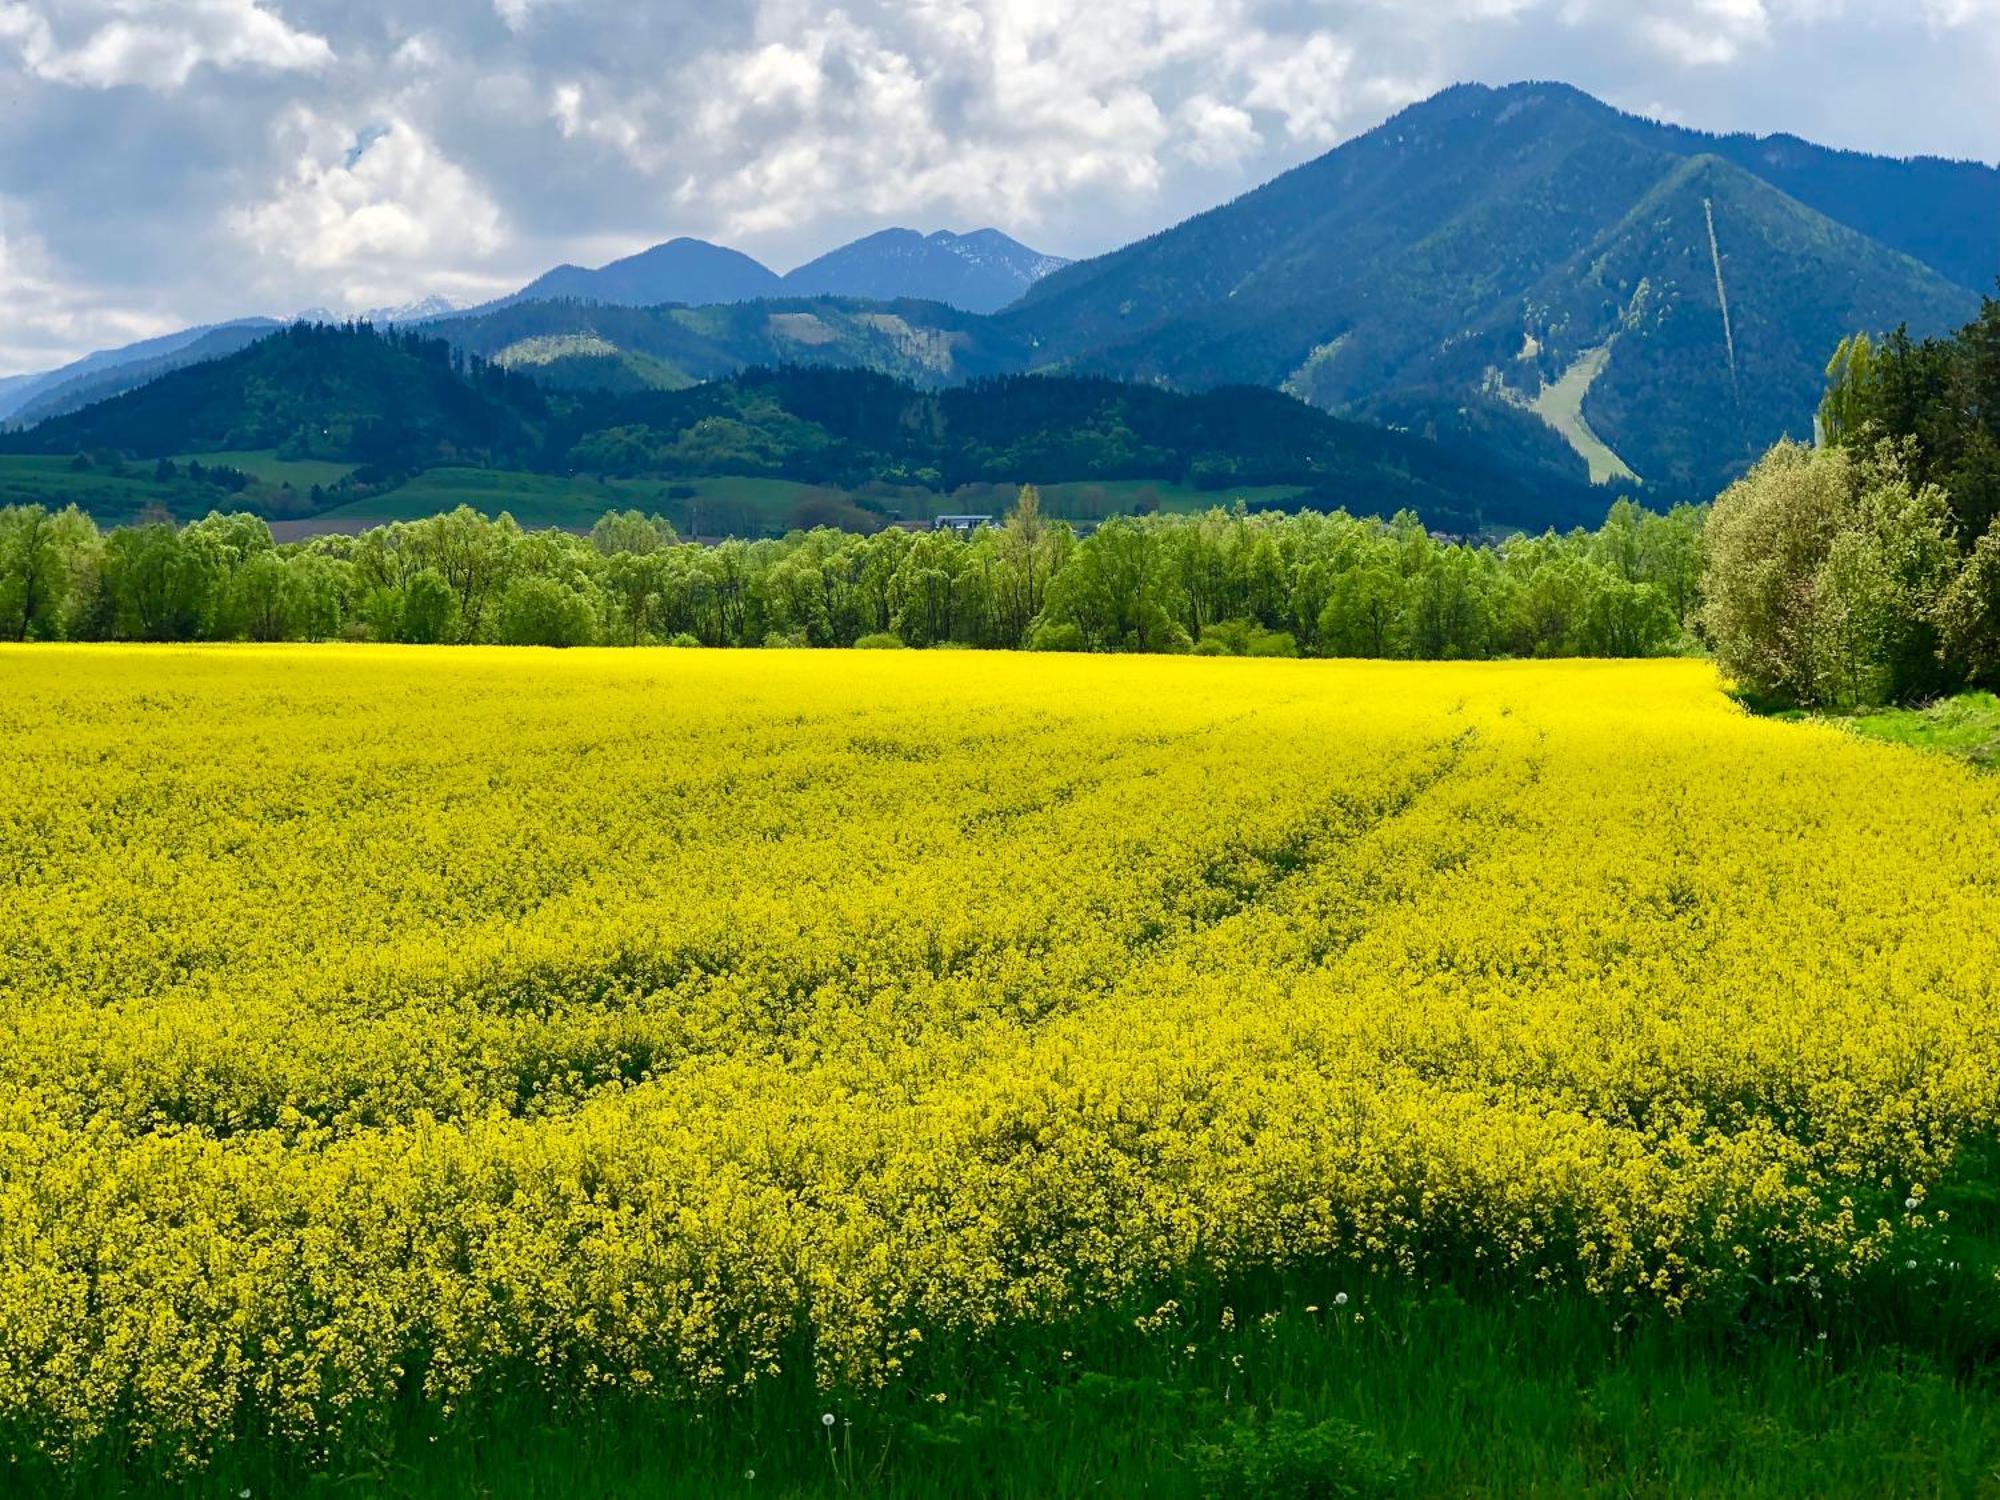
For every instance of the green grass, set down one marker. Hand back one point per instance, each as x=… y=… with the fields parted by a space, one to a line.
x=1561 y=406
x=1273 y=1385
x=534 y=500
x=1967 y=726
x=1125 y=494
x=1093 y=500
x=299 y=473
x=113 y=498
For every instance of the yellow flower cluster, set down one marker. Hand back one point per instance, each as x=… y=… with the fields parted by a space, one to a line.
x=383 y=1015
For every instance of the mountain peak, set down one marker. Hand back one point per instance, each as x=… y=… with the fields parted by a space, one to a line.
x=979 y=272
x=1535 y=245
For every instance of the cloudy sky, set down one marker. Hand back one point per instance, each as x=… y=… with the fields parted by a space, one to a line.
x=164 y=162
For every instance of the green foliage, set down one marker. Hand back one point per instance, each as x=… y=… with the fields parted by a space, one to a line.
x=161 y=584
x=430 y=610
x=881 y=640
x=1826 y=572
x=47 y=567
x=536 y=610
x=1938 y=399
x=1222 y=583
x=1244 y=638
x=628 y=533
x=1284 y=1456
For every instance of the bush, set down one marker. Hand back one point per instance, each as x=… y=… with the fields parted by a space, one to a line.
x=536 y=611
x=1271 y=643
x=1244 y=638
x=684 y=640
x=881 y=640
x=1284 y=1458
x=430 y=610
x=1823 y=572
x=1058 y=635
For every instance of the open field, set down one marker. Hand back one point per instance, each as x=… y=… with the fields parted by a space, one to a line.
x=111 y=498
x=532 y=499
x=299 y=473
x=489 y=1070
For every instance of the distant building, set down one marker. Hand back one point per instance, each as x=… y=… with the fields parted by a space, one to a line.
x=963 y=525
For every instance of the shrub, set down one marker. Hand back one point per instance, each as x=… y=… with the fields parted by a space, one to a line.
x=536 y=611
x=1058 y=635
x=1285 y=1458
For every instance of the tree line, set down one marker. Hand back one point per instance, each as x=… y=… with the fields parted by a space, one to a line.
x=1224 y=582
x=1866 y=569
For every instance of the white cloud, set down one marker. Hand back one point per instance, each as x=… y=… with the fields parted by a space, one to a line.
x=1709 y=33
x=155 y=44
x=524 y=132
x=1952 y=14
x=1215 y=134
x=50 y=321
x=377 y=207
x=1307 y=85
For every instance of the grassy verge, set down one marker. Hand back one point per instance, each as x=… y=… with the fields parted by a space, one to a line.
x=1316 y=1383
x=1967 y=726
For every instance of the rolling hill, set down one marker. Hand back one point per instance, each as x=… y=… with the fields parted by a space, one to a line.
x=29 y=398
x=583 y=344
x=395 y=405
x=681 y=270
x=314 y=392
x=970 y=273
x=1521 y=273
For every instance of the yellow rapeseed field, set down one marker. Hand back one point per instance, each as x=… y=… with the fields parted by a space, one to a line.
x=636 y=1018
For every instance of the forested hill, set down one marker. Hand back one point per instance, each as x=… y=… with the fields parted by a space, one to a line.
x=847 y=426
x=1533 y=244
x=399 y=401
x=398 y=404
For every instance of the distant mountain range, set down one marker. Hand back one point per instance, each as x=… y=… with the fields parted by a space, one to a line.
x=1524 y=271
x=31 y=398
x=978 y=273
x=423 y=310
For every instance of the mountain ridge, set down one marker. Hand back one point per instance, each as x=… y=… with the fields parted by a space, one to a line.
x=1413 y=255
x=393 y=404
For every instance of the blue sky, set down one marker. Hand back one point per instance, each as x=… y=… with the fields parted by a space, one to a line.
x=171 y=161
